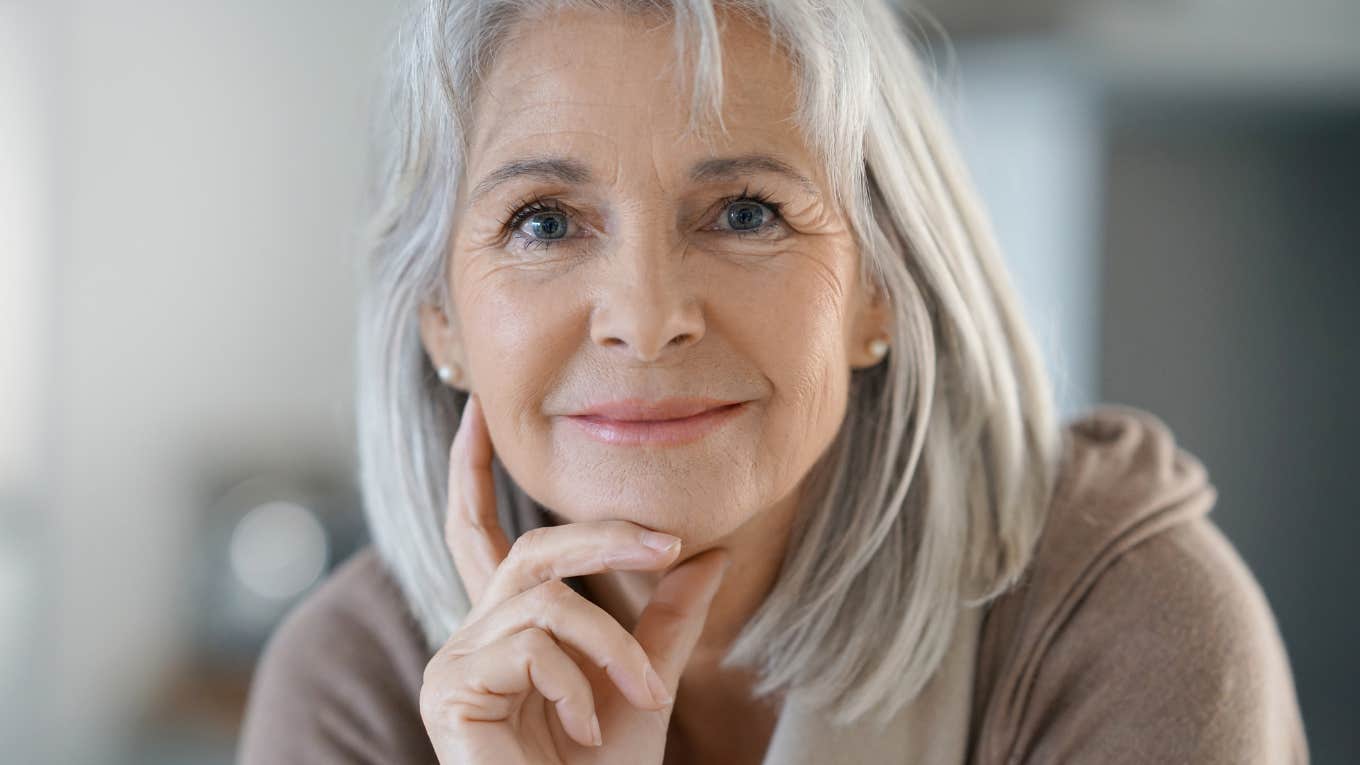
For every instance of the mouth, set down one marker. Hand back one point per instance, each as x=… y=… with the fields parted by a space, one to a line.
x=675 y=431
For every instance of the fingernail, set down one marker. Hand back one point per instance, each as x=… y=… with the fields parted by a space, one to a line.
x=662 y=542
x=595 y=730
x=657 y=687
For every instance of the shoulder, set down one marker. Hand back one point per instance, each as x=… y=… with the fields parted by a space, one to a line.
x=1137 y=634
x=339 y=678
x=357 y=617
x=1176 y=641
x=1187 y=594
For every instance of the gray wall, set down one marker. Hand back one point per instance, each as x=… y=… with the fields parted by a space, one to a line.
x=205 y=160
x=1231 y=293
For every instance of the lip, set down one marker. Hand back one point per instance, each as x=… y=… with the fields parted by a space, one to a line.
x=620 y=422
x=636 y=409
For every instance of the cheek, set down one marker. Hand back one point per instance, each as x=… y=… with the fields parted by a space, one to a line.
x=505 y=311
x=518 y=339
x=796 y=333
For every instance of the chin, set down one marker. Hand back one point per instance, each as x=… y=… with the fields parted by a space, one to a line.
x=683 y=514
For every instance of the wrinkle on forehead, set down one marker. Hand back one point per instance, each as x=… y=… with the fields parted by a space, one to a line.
x=546 y=47
x=581 y=51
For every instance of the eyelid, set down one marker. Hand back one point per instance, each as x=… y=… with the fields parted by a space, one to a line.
x=759 y=198
x=522 y=210
x=529 y=209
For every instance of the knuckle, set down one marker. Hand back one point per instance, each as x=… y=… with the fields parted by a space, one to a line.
x=446 y=663
x=532 y=640
x=446 y=707
x=529 y=553
x=431 y=691
x=532 y=541
x=555 y=593
x=436 y=687
x=441 y=668
x=450 y=689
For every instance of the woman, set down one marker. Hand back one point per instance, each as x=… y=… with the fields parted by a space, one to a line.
x=785 y=350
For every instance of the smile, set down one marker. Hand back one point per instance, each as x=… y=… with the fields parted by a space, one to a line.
x=675 y=432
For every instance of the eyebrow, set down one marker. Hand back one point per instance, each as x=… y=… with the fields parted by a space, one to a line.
x=728 y=168
x=570 y=171
x=544 y=168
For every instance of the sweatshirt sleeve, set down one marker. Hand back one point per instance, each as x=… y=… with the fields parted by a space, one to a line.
x=1173 y=656
x=338 y=681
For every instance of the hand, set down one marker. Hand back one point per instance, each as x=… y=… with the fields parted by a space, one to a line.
x=533 y=662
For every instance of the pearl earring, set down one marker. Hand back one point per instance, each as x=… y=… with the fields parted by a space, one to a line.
x=878 y=347
x=446 y=374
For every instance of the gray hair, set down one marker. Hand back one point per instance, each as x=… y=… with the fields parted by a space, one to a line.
x=933 y=493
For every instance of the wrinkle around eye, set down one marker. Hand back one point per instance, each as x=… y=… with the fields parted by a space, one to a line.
x=812 y=216
x=480 y=232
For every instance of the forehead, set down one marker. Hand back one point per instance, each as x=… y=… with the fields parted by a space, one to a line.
x=582 y=77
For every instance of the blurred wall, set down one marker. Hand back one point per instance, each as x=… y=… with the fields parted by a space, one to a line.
x=25 y=201
x=25 y=303
x=1028 y=119
x=1231 y=288
x=208 y=159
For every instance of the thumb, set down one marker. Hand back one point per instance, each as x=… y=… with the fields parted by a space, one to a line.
x=670 y=625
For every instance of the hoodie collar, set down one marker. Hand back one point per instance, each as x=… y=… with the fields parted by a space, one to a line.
x=931 y=729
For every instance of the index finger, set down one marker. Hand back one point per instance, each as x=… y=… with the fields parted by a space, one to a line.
x=472 y=530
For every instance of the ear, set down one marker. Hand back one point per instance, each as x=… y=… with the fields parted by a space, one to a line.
x=871 y=319
x=441 y=339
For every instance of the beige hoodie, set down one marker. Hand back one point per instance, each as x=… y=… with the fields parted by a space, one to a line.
x=1137 y=635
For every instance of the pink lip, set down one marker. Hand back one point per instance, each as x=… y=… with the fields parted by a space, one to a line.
x=621 y=422
x=665 y=409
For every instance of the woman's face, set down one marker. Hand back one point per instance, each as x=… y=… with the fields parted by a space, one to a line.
x=644 y=266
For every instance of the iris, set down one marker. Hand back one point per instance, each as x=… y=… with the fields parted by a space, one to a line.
x=740 y=216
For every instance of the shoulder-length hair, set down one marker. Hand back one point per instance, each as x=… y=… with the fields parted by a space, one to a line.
x=934 y=491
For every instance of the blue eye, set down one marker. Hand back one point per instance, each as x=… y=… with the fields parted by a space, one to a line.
x=551 y=225
x=547 y=223
x=746 y=216
x=751 y=214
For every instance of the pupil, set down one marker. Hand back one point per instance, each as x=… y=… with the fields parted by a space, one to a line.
x=742 y=214
x=548 y=227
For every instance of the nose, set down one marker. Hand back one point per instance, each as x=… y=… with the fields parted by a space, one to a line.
x=647 y=308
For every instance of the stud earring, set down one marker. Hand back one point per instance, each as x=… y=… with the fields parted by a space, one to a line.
x=878 y=346
x=446 y=374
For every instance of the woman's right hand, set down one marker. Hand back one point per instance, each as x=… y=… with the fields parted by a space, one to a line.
x=534 y=672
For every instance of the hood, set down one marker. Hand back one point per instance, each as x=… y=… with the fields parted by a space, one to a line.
x=1123 y=479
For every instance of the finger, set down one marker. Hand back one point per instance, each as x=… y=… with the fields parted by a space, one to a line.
x=515 y=664
x=576 y=549
x=472 y=529
x=673 y=619
x=577 y=623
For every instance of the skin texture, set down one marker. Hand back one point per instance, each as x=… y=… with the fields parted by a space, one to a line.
x=652 y=293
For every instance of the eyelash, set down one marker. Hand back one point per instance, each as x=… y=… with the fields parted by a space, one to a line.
x=521 y=211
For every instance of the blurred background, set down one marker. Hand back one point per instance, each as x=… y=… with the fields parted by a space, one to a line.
x=1173 y=182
